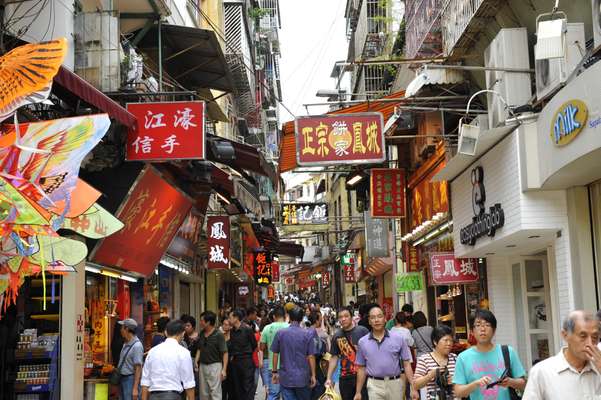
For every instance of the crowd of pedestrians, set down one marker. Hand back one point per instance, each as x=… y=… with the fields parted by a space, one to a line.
x=300 y=352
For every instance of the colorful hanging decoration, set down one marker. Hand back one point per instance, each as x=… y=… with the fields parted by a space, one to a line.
x=40 y=191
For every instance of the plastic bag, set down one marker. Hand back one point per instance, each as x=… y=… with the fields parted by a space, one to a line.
x=330 y=394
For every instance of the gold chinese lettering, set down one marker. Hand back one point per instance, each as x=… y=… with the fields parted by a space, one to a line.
x=135 y=209
x=156 y=227
x=372 y=138
x=308 y=135
x=322 y=134
x=171 y=227
x=148 y=214
x=286 y=215
x=358 y=146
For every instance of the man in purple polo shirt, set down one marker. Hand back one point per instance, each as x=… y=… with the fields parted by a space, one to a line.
x=295 y=348
x=379 y=358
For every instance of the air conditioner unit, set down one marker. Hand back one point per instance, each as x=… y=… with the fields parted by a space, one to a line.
x=509 y=49
x=597 y=22
x=551 y=74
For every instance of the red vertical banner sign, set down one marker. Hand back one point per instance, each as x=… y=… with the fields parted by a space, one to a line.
x=325 y=279
x=262 y=266
x=218 y=240
x=411 y=257
x=275 y=271
x=349 y=273
x=167 y=131
x=387 y=193
x=152 y=214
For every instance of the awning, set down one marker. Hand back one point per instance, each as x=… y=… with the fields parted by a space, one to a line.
x=246 y=157
x=191 y=56
x=67 y=83
x=288 y=140
x=427 y=77
x=135 y=13
x=460 y=162
x=213 y=109
x=379 y=266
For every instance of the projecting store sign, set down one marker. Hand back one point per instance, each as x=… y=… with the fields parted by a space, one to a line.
x=218 y=242
x=445 y=269
x=483 y=223
x=167 y=131
x=568 y=122
x=262 y=265
x=376 y=236
x=301 y=213
x=339 y=139
x=387 y=193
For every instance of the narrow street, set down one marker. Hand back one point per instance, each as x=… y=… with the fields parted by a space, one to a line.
x=300 y=200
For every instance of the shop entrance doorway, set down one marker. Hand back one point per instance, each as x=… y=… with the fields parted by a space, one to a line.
x=534 y=314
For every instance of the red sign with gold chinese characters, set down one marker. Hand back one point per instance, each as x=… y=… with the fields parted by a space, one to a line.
x=387 y=193
x=152 y=214
x=325 y=279
x=167 y=131
x=262 y=265
x=340 y=139
x=218 y=242
x=275 y=271
x=349 y=274
x=445 y=269
x=411 y=257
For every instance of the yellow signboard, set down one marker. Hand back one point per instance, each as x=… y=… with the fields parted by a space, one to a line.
x=569 y=120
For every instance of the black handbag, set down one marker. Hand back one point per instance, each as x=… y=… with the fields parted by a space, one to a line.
x=512 y=393
x=115 y=378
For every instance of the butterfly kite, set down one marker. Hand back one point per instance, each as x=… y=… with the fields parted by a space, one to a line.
x=40 y=191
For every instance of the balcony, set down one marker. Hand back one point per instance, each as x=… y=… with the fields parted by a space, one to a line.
x=464 y=20
x=371 y=33
x=423 y=30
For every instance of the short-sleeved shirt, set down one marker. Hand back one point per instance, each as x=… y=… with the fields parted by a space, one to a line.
x=426 y=363
x=406 y=333
x=135 y=356
x=211 y=347
x=472 y=365
x=268 y=335
x=422 y=338
x=344 y=345
x=294 y=344
x=242 y=342
x=383 y=359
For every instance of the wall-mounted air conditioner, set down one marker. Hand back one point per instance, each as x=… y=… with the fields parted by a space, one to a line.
x=551 y=74
x=509 y=49
x=597 y=22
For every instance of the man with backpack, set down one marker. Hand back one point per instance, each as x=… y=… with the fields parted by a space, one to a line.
x=487 y=370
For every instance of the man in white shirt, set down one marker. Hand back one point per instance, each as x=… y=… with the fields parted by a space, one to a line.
x=574 y=372
x=168 y=367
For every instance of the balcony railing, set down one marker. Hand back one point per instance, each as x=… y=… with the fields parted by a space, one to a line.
x=423 y=28
x=462 y=20
x=372 y=30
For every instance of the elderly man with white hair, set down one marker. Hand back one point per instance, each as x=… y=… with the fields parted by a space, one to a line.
x=574 y=372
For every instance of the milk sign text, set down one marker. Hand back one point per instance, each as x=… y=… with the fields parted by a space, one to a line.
x=568 y=121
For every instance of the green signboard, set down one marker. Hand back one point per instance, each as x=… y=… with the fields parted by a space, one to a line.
x=347 y=259
x=408 y=282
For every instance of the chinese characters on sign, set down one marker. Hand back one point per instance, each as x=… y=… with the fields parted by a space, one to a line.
x=387 y=193
x=167 y=131
x=337 y=139
x=408 y=282
x=218 y=242
x=411 y=257
x=325 y=279
x=275 y=271
x=301 y=213
x=428 y=198
x=152 y=215
x=376 y=236
x=349 y=273
x=262 y=265
x=445 y=269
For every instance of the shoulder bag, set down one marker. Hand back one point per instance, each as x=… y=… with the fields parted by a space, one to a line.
x=507 y=360
x=115 y=378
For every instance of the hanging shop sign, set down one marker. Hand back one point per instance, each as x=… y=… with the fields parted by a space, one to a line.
x=339 y=139
x=387 y=193
x=289 y=281
x=304 y=213
x=262 y=268
x=270 y=292
x=349 y=273
x=445 y=269
x=243 y=290
x=218 y=242
x=326 y=279
x=569 y=120
x=275 y=271
x=411 y=254
x=409 y=282
x=483 y=223
x=347 y=259
x=428 y=198
x=152 y=214
x=167 y=131
x=376 y=236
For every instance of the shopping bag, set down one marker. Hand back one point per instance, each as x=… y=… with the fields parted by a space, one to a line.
x=330 y=394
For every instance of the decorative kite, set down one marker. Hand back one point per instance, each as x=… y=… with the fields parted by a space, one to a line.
x=40 y=191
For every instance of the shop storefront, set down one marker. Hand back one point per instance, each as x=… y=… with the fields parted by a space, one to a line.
x=522 y=236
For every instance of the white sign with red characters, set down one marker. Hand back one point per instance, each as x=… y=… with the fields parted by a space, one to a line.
x=167 y=131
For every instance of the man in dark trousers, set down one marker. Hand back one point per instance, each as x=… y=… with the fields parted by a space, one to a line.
x=240 y=349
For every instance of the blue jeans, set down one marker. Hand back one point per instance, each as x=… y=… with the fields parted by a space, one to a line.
x=303 y=393
x=274 y=392
x=127 y=387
